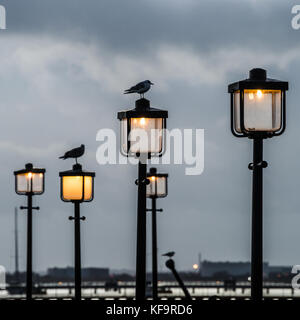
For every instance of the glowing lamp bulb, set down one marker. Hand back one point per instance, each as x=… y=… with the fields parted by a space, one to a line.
x=259 y=94
x=153 y=178
x=142 y=121
x=29 y=175
x=195 y=266
x=251 y=96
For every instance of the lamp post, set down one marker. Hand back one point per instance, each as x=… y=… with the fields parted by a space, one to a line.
x=143 y=137
x=77 y=186
x=258 y=111
x=157 y=188
x=29 y=182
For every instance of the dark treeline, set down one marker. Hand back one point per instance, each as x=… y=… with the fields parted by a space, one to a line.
x=12 y=278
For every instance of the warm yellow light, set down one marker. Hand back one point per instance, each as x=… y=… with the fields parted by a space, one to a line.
x=153 y=178
x=195 y=266
x=251 y=96
x=73 y=187
x=88 y=188
x=41 y=175
x=139 y=123
x=142 y=121
x=29 y=175
x=259 y=94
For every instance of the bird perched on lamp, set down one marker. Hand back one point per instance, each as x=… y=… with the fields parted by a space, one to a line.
x=169 y=254
x=140 y=88
x=74 y=153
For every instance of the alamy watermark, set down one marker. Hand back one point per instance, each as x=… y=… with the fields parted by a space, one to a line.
x=183 y=147
x=296 y=278
x=2 y=17
x=295 y=22
x=2 y=278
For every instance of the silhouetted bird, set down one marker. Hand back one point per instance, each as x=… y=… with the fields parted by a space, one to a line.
x=169 y=254
x=74 y=153
x=140 y=88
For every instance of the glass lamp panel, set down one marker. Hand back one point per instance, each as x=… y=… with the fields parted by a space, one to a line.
x=72 y=187
x=262 y=110
x=124 y=136
x=161 y=186
x=88 y=188
x=236 y=111
x=24 y=182
x=146 y=135
x=37 y=182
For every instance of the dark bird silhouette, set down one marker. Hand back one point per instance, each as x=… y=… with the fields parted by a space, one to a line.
x=74 y=153
x=169 y=254
x=140 y=88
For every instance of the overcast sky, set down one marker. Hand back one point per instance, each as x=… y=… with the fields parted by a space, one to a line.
x=64 y=66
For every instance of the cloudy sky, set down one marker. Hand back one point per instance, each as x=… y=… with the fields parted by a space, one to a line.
x=64 y=66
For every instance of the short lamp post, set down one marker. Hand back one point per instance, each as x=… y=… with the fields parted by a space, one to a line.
x=143 y=137
x=29 y=182
x=258 y=111
x=77 y=186
x=157 y=188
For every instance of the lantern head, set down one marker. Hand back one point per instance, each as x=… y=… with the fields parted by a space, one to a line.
x=143 y=130
x=158 y=186
x=30 y=180
x=76 y=185
x=258 y=105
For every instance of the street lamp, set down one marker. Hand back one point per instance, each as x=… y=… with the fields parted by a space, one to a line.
x=157 y=188
x=143 y=137
x=142 y=130
x=77 y=186
x=258 y=111
x=29 y=181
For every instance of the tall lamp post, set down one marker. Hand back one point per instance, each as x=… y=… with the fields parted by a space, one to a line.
x=29 y=182
x=143 y=137
x=77 y=186
x=258 y=111
x=157 y=188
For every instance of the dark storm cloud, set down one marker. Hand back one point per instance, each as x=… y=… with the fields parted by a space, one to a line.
x=135 y=25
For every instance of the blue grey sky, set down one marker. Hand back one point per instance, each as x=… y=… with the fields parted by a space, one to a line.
x=64 y=66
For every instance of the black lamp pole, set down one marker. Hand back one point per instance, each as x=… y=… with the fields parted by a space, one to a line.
x=154 y=211
x=154 y=250
x=29 y=244
x=141 y=234
x=77 y=219
x=257 y=219
x=29 y=248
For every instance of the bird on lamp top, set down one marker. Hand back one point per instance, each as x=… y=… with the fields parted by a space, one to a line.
x=74 y=153
x=140 y=88
x=169 y=254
